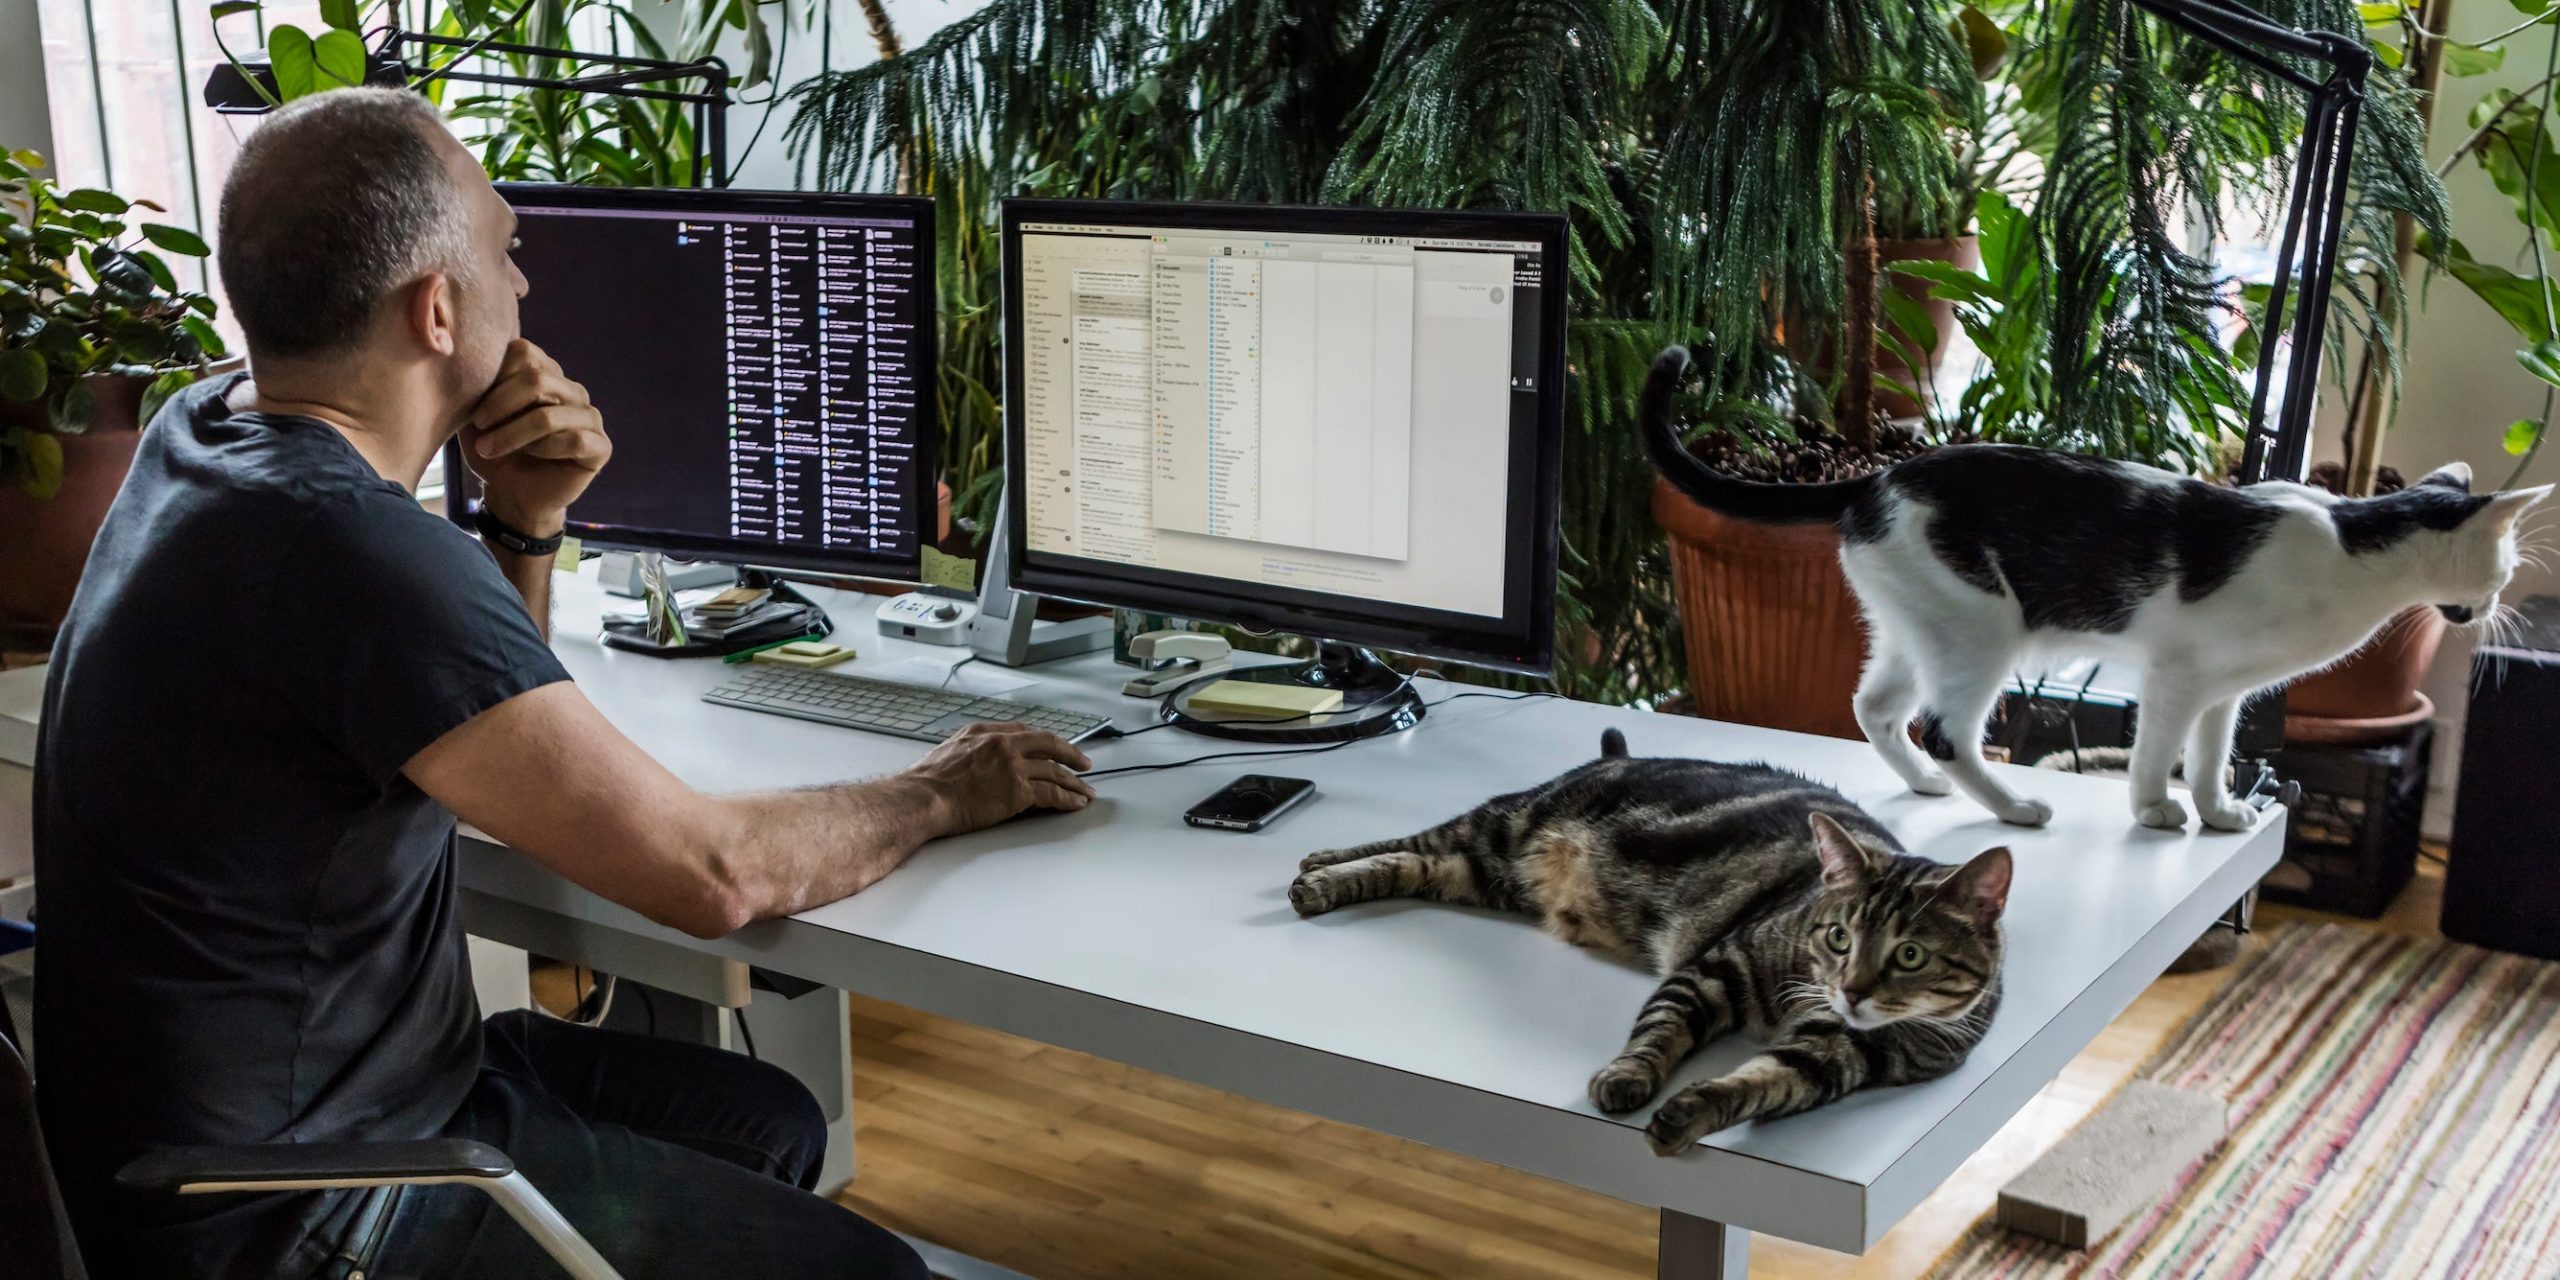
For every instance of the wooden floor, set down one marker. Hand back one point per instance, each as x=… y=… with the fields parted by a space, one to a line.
x=1063 y=1166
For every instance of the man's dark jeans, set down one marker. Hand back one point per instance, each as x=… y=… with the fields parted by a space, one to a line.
x=672 y=1159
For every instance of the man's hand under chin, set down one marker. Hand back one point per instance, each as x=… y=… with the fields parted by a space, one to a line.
x=534 y=440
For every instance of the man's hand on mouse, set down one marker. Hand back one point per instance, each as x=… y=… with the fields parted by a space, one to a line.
x=534 y=440
x=987 y=773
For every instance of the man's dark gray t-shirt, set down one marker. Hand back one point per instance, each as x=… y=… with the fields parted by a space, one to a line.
x=247 y=928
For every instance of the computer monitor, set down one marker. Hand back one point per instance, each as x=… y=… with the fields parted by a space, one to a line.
x=764 y=362
x=1344 y=423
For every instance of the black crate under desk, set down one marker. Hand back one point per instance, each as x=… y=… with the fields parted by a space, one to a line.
x=2354 y=842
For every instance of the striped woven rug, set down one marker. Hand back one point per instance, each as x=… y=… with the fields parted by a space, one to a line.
x=2395 y=1112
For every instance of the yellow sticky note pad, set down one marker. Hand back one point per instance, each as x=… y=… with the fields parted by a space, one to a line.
x=950 y=571
x=565 y=560
x=803 y=653
x=1263 y=701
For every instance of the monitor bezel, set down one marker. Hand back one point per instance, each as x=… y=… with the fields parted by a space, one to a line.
x=748 y=552
x=1513 y=642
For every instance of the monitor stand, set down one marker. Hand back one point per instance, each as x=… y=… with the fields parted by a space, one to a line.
x=1375 y=700
x=1007 y=630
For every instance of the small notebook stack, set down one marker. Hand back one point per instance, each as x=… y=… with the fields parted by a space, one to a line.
x=734 y=611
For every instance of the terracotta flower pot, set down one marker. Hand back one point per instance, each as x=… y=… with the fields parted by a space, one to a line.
x=1772 y=631
x=45 y=542
x=2373 y=694
x=1961 y=251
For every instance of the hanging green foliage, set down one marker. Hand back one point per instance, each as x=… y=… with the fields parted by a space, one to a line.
x=1719 y=162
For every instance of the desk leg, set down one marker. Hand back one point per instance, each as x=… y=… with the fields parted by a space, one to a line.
x=811 y=1038
x=1696 y=1249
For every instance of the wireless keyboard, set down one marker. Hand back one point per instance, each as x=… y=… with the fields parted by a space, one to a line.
x=884 y=706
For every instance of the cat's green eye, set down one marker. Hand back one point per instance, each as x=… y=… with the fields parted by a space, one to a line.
x=1838 y=936
x=1910 y=956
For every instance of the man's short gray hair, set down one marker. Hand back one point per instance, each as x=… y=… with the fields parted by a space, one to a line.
x=335 y=201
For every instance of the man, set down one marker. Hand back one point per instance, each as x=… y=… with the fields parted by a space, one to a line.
x=282 y=680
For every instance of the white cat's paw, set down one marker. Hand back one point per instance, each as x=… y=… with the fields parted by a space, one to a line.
x=2227 y=816
x=1933 y=783
x=2025 y=812
x=2163 y=815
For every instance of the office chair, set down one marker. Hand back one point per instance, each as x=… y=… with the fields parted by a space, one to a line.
x=34 y=1227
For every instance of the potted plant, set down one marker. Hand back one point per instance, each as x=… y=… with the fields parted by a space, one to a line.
x=95 y=332
x=1990 y=130
x=2099 y=332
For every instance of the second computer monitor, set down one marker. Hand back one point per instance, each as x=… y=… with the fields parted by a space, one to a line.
x=764 y=362
x=1345 y=423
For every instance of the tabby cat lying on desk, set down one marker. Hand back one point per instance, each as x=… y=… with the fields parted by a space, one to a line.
x=1767 y=901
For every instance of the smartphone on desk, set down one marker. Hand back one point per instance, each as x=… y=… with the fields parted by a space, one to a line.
x=1249 y=803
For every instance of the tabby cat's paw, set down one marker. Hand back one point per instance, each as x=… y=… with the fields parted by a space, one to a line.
x=1691 y=1114
x=1622 y=1086
x=2227 y=816
x=1311 y=895
x=2025 y=812
x=1325 y=858
x=1933 y=783
x=2161 y=815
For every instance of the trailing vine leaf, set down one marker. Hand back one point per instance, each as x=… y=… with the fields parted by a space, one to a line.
x=2522 y=435
x=22 y=374
x=39 y=465
x=2526 y=306
x=289 y=53
x=2467 y=60
x=167 y=385
x=339 y=56
x=157 y=269
x=92 y=200
x=71 y=411
x=2542 y=360
x=177 y=240
x=340 y=15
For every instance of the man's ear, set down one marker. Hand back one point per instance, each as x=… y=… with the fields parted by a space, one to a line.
x=1982 y=885
x=1845 y=862
x=2452 y=475
x=2506 y=508
x=433 y=311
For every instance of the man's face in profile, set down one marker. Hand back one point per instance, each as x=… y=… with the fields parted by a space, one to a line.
x=487 y=290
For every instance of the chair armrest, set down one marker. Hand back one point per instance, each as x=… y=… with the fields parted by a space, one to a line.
x=437 y=1159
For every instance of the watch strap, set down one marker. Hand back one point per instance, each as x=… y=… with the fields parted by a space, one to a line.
x=512 y=538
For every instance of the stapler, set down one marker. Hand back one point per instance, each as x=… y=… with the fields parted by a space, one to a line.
x=1173 y=659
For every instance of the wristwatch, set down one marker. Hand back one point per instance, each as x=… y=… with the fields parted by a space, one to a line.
x=512 y=538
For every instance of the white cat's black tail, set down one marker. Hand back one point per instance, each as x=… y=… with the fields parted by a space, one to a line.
x=1749 y=499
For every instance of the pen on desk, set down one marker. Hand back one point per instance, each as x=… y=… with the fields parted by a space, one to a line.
x=743 y=655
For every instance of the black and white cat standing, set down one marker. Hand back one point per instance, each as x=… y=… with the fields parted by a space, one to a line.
x=1974 y=562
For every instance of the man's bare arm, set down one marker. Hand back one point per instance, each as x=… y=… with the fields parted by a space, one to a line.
x=545 y=773
x=535 y=441
x=531 y=577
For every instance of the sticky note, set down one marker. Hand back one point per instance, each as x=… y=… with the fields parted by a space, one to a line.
x=1263 y=701
x=565 y=560
x=952 y=572
x=803 y=653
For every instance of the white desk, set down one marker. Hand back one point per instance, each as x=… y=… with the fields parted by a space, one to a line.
x=1122 y=932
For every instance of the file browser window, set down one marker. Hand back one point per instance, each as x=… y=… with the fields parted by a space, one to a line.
x=1330 y=413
